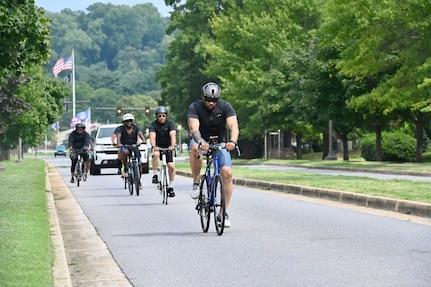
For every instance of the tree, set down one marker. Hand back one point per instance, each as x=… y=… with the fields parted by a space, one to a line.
x=182 y=77
x=24 y=35
x=252 y=40
x=397 y=53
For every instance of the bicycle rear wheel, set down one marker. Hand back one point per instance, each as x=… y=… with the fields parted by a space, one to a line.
x=219 y=205
x=203 y=204
x=164 y=185
x=136 y=176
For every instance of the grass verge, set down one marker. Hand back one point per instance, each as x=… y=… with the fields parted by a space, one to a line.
x=395 y=188
x=26 y=254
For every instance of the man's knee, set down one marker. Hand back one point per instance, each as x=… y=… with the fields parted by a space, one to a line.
x=226 y=172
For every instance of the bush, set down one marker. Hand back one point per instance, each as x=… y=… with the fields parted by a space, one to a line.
x=368 y=147
x=396 y=147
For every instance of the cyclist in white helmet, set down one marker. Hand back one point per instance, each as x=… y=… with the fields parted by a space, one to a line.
x=128 y=134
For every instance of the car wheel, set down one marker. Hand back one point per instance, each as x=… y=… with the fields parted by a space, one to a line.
x=94 y=169
x=145 y=168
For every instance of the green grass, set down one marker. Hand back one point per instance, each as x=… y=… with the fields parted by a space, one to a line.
x=26 y=253
x=399 y=189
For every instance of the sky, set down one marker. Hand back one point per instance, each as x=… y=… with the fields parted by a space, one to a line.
x=75 y=5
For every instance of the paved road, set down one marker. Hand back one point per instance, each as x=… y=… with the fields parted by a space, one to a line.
x=275 y=240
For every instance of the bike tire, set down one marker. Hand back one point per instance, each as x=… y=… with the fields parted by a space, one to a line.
x=164 y=184
x=130 y=180
x=219 y=204
x=136 y=177
x=78 y=173
x=203 y=204
x=84 y=172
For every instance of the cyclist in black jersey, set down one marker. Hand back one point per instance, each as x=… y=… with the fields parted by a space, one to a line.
x=163 y=134
x=206 y=118
x=128 y=134
x=79 y=139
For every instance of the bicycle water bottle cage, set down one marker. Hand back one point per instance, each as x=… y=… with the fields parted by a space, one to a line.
x=213 y=140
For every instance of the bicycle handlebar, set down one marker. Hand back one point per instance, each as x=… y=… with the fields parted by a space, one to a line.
x=215 y=147
x=80 y=150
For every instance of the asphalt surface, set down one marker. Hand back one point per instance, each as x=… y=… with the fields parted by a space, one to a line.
x=83 y=259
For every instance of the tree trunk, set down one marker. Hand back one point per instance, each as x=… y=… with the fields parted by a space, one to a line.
x=345 y=147
x=298 y=145
x=4 y=154
x=419 y=137
x=378 y=151
x=325 y=144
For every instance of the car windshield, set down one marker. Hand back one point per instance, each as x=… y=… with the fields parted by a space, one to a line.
x=106 y=132
x=60 y=147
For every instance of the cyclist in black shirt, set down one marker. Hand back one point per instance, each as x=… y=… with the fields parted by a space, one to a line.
x=128 y=134
x=163 y=134
x=79 y=139
x=209 y=117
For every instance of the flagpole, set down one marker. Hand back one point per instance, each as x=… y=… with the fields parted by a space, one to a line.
x=73 y=84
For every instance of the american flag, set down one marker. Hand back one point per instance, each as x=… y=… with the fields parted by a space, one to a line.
x=62 y=64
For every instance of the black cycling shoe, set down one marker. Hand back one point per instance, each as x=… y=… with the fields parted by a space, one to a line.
x=72 y=180
x=171 y=192
x=155 y=179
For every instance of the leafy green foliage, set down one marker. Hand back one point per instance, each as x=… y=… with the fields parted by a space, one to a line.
x=396 y=147
x=116 y=47
x=29 y=101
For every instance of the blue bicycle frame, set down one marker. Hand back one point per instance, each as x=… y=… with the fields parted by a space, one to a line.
x=211 y=198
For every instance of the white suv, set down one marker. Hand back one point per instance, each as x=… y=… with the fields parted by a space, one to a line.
x=105 y=154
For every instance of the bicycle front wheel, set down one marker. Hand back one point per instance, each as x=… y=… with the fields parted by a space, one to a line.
x=219 y=204
x=164 y=185
x=203 y=204
x=78 y=173
x=130 y=180
x=136 y=175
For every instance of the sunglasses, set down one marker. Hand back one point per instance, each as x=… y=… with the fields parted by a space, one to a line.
x=161 y=116
x=128 y=121
x=213 y=100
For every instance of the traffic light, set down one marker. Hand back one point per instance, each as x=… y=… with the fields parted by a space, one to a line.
x=147 y=110
x=119 y=111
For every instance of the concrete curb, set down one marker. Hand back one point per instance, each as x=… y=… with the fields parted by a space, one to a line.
x=60 y=270
x=395 y=205
x=85 y=259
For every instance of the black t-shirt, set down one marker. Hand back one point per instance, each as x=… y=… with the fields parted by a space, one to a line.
x=78 y=141
x=126 y=138
x=162 y=130
x=212 y=123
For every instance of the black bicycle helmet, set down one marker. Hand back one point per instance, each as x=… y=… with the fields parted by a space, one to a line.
x=80 y=126
x=211 y=90
x=161 y=110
